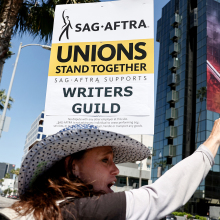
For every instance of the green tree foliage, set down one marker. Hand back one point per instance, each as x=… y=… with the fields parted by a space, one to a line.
x=7 y=176
x=3 y=97
x=200 y=217
x=16 y=172
x=189 y=216
x=1 y=181
x=7 y=191
x=32 y=17
x=29 y=17
x=201 y=94
x=161 y=163
x=33 y=14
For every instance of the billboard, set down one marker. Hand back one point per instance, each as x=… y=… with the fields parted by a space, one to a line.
x=102 y=67
x=213 y=56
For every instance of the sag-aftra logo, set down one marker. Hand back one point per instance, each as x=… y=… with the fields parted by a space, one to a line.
x=108 y=26
x=66 y=26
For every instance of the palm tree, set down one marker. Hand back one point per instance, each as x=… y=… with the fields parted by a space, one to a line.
x=1 y=181
x=27 y=17
x=7 y=176
x=7 y=191
x=201 y=95
x=3 y=99
x=16 y=172
x=8 y=55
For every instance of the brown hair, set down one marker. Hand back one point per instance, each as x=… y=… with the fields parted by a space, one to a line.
x=56 y=183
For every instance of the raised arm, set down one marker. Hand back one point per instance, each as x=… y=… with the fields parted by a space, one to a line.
x=213 y=142
x=176 y=186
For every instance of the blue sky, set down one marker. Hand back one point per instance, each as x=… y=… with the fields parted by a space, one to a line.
x=29 y=90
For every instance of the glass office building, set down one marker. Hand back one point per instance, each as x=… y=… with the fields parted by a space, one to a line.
x=188 y=90
x=35 y=134
x=6 y=168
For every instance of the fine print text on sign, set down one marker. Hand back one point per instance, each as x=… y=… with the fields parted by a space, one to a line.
x=102 y=67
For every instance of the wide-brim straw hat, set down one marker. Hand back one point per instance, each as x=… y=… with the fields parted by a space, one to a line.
x=52 y=149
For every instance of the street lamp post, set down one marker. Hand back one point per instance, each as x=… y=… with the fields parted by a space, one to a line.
x=2 y=119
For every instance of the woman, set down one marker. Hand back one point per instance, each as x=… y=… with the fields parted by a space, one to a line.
x=69 y=176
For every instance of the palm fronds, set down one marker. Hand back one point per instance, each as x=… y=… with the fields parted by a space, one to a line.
x=3 y=97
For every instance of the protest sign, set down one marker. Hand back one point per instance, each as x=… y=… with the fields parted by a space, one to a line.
x=102 y=67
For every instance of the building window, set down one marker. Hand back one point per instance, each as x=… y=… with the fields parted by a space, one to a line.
x=40 y=129
x=43 y=136
x=121 y=181
x=38 y=136
x=144 y=182
x=42 y=115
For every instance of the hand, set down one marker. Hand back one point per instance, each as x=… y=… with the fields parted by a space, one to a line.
x=213 y=142
x=215 y=134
